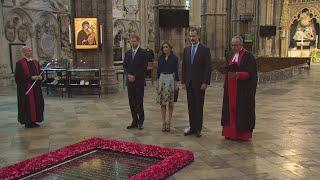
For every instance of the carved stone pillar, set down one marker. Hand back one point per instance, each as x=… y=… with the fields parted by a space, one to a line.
x=6 y=78
x=266 y=18
x=195 y=14
x=156 y=25
x=214 y=19
x=204 y=22
x=2 y=38
x=109 y=81
x=284 y=29
x=143 y=23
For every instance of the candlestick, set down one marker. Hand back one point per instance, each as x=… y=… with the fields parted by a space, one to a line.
x=101 y=34
x=70 y=40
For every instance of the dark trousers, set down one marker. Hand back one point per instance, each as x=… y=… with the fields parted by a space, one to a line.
x=195 y=98
x=135 y=94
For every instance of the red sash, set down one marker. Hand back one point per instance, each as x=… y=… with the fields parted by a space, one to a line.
x=31 y=97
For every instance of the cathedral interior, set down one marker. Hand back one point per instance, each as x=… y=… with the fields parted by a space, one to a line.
x=85 y=42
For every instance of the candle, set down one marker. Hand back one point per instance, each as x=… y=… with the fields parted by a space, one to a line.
x=100 y=34
x=70 y=42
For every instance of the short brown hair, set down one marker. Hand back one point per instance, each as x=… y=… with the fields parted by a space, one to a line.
x=195 y=30
x=167 y=43
x=135 y=36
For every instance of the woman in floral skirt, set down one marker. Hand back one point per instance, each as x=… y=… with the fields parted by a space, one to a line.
x=167 y=74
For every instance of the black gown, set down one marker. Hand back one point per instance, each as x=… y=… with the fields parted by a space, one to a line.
x=239 y=98
x=31 y=106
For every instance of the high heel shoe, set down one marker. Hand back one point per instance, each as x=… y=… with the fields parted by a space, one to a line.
x=168 y=127
x=163 y=127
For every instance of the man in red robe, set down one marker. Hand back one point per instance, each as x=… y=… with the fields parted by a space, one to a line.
x=31 y=105
x=238 y=111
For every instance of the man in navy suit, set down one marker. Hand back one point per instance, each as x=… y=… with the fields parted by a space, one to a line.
x=196 y=73
x=135 y=65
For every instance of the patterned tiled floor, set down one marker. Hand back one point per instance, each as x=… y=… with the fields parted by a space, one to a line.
x=285 y=144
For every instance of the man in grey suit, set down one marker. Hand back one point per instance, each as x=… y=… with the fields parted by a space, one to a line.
x=196 y=73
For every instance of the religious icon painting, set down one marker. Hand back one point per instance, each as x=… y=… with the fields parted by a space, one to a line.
x=86 y=33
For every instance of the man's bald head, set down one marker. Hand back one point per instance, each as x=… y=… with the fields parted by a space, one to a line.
x=27 y=51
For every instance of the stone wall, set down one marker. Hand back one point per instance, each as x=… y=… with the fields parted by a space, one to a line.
x=41 y=24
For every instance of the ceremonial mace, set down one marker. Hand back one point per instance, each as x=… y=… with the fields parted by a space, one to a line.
x=36 y=80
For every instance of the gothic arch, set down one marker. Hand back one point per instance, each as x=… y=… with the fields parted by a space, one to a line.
x=313 y=10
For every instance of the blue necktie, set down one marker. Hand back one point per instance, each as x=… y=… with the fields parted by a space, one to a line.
x=133 y=54
x=193 y=52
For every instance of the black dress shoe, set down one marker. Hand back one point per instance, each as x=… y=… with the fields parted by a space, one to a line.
x=140 y=127
x=131 y=127
x=198 y=134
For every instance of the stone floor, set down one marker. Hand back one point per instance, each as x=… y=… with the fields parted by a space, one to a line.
x=285 y=144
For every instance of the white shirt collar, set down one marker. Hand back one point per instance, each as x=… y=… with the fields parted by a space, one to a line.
x=135 y=50
x=28 y=59
x=235 y=57
x=196 y=45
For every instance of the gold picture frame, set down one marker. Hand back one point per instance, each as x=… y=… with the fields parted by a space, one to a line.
x=86 y=33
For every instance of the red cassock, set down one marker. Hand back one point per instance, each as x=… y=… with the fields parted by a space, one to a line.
x=230 y=129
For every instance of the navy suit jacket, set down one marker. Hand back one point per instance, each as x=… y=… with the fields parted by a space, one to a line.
x=137 y=66
x=200 y=71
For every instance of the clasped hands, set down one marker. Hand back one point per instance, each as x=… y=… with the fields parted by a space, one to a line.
x=36 y=78
x=131 y=78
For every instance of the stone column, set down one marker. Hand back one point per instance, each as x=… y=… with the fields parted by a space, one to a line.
x=156 y=27
x=195 y=14
x=266 y=18
x=228 y=25
x=2 y=38
x=109 y=81
x=255 y=27
x=276 y=21
x=204 y=7
x=284 y=29
x=143 y=10
x=214 y=15
x=6 y=78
